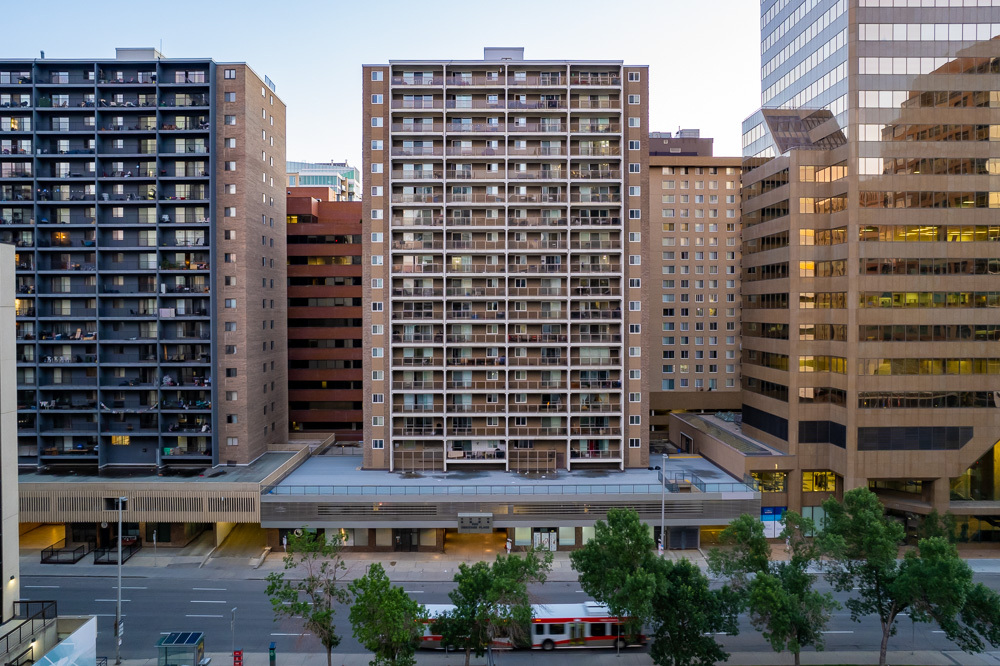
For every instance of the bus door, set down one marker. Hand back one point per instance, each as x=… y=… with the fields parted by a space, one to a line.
x=577 y=632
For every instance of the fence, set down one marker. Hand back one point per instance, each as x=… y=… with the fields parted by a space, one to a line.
x=60 y=553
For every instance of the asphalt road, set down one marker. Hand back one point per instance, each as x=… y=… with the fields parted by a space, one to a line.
x=155 y=606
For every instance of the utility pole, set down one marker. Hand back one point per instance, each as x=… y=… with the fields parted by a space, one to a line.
x=232 y=625
x=118 y=605
x=663 y=504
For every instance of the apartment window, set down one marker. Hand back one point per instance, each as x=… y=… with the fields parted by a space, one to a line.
x=378 y=352
x=635 y=397
x=634 y=259
x=377 y=122
x=635 y=351
x=232 y=441
x=376 y=167
x=634 y=213
x=230 y=211
x=635 y=374
x=633 y=76
x=378 y=421
x=377 y=306
x=230 y=280
x=377 y=75
x=230 y=258
x=635 y=419
x=376 y=329
x=633 y=99
x=634 y=145
x=229 y=234
x=231 y=303
x=633 y=122
x=230 y=326
x=635 y=237
x=229 y=74
x=230 y=372
x=376 y=99
x=635 y=306
x=377 y=260
x=634 y=442
x=378 y=398
x=231 y=187
x=230 y=120
x=231 y=396
x=376 y=236
x=378 y=375
x=230 y=97
x=376 y=283
x=230 y=349
x=634 y=167
x=378 y=443
x=635 y=328
x=376 y=190
x=376 y=213
x=376 y=144
x=634 y=191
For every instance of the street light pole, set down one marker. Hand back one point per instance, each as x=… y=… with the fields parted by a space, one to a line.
x=663 y=504
x=118 y=606
x=232 y=625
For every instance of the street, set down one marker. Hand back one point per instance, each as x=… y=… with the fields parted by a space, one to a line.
x=182 y=602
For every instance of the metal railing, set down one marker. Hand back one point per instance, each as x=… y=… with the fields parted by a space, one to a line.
x=482 y=489
x=36 y=615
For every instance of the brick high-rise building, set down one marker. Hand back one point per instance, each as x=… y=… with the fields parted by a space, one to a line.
x=145 y=196
x=503 y=272
x=324 y=313
x=693 y=341
x=869 y=255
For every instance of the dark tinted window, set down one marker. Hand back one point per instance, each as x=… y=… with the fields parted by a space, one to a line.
x=598 y=629
x=557 y=629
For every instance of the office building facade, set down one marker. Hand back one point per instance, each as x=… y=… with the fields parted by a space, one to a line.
x=145 y=197
x=503 y=275
x=869 y=254
x=325 y=387
x=341 y=177
x=693 y=343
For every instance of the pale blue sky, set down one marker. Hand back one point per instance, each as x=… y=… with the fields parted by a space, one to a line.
x=704 y=55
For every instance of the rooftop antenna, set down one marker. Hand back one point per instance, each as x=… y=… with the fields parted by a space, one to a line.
x=43 y=55
x=160 y=50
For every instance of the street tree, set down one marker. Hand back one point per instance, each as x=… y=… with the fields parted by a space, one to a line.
x=385 y=619
x=619 y=568
x=779 y=596
x=931 y=583
x=492 y=602
x=313 y=586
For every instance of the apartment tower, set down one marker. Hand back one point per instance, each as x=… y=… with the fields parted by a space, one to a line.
x=503 y=265
x=870 y=229
x=325 y=388
x=144 y=197
x=694 y=353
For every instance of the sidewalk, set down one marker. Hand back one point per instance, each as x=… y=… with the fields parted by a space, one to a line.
x=600 y=657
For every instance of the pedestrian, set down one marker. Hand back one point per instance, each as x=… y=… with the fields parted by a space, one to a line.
x=284 y=542
x=509 y=545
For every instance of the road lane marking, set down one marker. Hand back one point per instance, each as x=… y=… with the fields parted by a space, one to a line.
x=202 y=616
x=196 y=601
x=209 y=589
x=125 y=587
x=579 y=591
x=113 y=600
x=107 y=615
x=39 y=587
x=849 y=631
x=291 y=634
x=413 y=591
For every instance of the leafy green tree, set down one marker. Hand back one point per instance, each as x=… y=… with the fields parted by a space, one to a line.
x=936 y=525
x=385 y=619
x=780 y=597
x=491 y=602
x=313 y=596
x=619 y=568
x=932 y=583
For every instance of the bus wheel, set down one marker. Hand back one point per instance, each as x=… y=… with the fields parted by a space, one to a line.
x=547 y=644
x=621 y=644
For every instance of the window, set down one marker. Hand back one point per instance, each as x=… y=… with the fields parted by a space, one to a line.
x=230 y=325
x=634 y=442
x=633 y=122
x=378 y=352
x=635 y=397
x=377 y=306
x=378 y=375
x=635 y=419
x=376 y=190
x=229 y=74
x=634 y=145
x=378 y=421
x=634 y=259
x=376 y=167
x=376 y=122
x=230 y=372
x=376 y=213
x=230 y=97
x=635 y=328
x=376 y=144
x=378 y=443
x=376 y=329
x=232 y=441
x=633 y=76
x=634 y=213
x=232 y=418
x=633 y=99
x=230 y=120
x=229 y=258
x=376 y=99
x=230 y=349
x=377 y=260
x=635 y=351
x=231 y=303
x=634 y=191
x=635 y=374
x=377 y=75
x=231 y=396
x=635 y=306
x=378 y=398
x=231 y=187
x=376 y=236
x=230 y=280
x=634 y=167
x=230 y=211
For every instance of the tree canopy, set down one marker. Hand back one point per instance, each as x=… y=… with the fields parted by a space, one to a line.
x=385 y=619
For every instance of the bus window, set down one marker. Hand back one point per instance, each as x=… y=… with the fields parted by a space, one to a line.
x=539 y=629
x=597 y=629
x=557 y=629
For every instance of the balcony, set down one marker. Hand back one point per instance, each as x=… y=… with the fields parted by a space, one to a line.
x=422 y=221
x=476 y=268
x=474 y=337
x=475 y=197
x=417 y=128
x=476 y=385
x=550 y=104
x=551 y=384
x=479 y=128
x=608 y=79
x=596 y=104
x=417 y=408
x=531 y=408
x=417 y=104
x=537 y=360
x=543 y=80
x=537 y=197
x=491 y=315
x=492 y=455
x=418 y=385
x=578 y=454
x=596 y=197
x=474 y=80
x=415 y=174
x=595 y=151
x=537 y=314
x=596 y=314
x=417 y=292
x=417 y=151
x=596 y=221
x=596 y=268
x=416 y=268
x=411 y=361
x=406 y=315
x=481 y=361
x=544 y=128
x=417 y=80
x=544 y=337
x=475 y=291
x=482 y=151
x=596 y=174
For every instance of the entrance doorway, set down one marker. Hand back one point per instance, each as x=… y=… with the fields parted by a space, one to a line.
x=405 y=540
x=546 y=538
x=475 y=547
